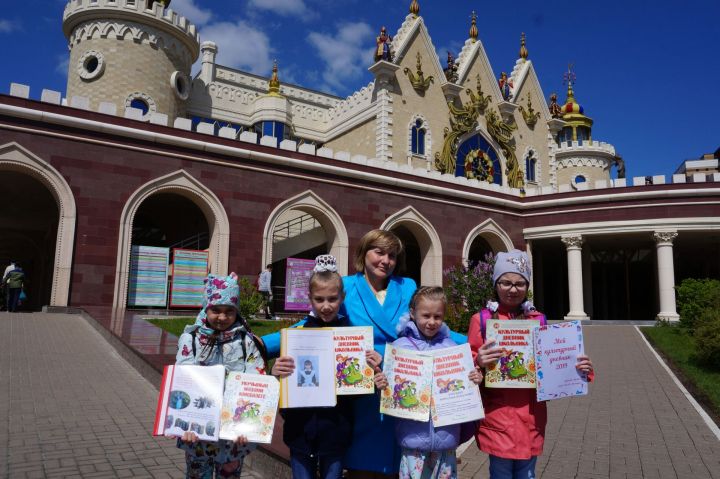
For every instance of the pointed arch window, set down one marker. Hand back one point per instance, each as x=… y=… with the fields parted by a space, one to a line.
x=530 y=166
x=417 y=138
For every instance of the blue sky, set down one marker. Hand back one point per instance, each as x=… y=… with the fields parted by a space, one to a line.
x=647 y=71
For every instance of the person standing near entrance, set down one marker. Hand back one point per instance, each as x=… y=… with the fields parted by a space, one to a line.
x=265 y=288
x=14 y=279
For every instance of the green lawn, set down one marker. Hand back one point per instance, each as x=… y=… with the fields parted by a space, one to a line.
x=176 y=325
x=678 y=348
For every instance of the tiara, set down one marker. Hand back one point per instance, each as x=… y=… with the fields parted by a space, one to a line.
x=325 y=262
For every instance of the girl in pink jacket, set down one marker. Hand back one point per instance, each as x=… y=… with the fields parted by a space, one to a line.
x=513 y=431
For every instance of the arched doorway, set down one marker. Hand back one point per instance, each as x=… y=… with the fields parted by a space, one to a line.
x=301 y=227
x=423 y=244
x=487 y=237
x=175 y=210
x=28 y=231
x=41 y=228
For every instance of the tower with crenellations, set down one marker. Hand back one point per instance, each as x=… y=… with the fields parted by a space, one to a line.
x=130 y=53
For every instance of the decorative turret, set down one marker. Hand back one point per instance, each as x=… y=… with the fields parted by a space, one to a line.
x=274 y=83
x=414 y=8
x=523 y=49
x=130 y=53
x=473 y=27
x=579 y=126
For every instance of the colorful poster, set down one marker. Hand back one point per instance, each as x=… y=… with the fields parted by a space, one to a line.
x=352 y=373
x=190 y=268
x=297 y=280
x=312 y=384
x=455 y=399
x=516 y=368
x=557 y=347
x=147 y=283
x=190 y=400
x=249 y=407
x=409 y=376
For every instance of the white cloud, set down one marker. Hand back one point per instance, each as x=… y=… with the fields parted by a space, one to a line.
x=6 y=26
x=192 y=12
x=344 y=55
x=63 y=62
x=281 y=7
x=241 y=46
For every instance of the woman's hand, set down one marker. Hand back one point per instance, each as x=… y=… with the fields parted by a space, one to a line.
x=584 y=365
x=381 y=381
x=373 y=359
x=488 y=354
x=476 y=376
x=189 y=437
x=283 y=367
x=241 y=441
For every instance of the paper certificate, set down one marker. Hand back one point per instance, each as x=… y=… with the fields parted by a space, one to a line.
x=190 y=400
x=516 y=368
x=352 y=373
x=556 y=349
x=312 y=384
x=409 y=376
x=249 y=407
x=455 y=399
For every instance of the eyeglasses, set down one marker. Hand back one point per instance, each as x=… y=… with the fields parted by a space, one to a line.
x=510 y=285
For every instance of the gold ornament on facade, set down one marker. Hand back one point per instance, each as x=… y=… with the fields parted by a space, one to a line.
x=414 y=8
x=501 y=132
x=473 y=27
x=523 y=49
x=274 y=84
x=418 y=81
x=530 y=115
x=462 y=120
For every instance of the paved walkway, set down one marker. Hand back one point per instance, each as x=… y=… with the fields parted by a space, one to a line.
x=635 y=423
x=72 y=407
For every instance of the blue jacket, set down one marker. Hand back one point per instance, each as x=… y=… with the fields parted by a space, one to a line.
x=417 y=434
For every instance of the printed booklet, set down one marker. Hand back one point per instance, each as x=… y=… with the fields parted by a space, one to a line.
x=409 y=390
x=455 y=399
x=190 y=400
x=516 y=368
x=352 y=373
x=312 y=384
x=556 y=349
x=249 y=407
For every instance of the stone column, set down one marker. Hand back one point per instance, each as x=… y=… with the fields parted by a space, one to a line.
x=573 y=243
x=384 y=85
x=666 y=275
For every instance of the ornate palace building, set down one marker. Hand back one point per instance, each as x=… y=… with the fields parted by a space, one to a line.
x=458 y=160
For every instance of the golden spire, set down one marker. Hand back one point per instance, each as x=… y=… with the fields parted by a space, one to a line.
x=523 y=49
x=569 y=78
x=415 y=8
x=274 y=84
x=473 y=27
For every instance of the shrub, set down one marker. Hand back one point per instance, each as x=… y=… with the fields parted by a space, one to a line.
x=250 y=300
x=694 y=296
x=707 y=338
x=468 y=290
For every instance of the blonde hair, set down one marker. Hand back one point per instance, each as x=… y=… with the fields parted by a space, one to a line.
x=384 y=239
x=429 y=293
x=324 y=277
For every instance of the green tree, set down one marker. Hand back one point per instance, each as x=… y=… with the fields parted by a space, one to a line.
x=250 y=299
x=468 y=289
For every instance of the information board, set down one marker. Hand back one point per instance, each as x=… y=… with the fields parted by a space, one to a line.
x=190 y=268
x=297 y=280
x=147 y=283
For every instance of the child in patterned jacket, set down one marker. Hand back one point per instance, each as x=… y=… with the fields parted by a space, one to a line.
x=219 y=336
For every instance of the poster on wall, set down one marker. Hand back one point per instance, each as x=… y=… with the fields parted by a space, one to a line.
x=190 y=267
x=147 y=283
x=297 y=279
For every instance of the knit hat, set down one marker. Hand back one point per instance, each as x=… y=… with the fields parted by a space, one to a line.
x=221 y=291
x=514 y=261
